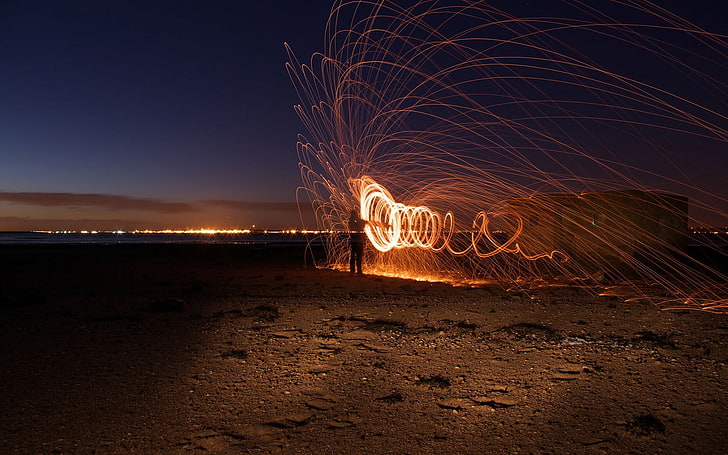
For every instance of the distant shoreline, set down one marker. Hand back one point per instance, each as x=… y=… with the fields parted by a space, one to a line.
x=104 y=238
x=697 y=238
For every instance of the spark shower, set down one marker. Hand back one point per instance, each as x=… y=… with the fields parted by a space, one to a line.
x=485 y=145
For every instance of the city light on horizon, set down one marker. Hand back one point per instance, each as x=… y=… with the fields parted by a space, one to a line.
x=200 y=231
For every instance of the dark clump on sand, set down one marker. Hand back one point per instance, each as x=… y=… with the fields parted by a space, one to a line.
x=228 y=349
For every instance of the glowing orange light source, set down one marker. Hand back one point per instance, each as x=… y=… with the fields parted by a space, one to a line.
x=393 y=224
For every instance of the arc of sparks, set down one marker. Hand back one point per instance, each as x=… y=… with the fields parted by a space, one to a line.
x=457 y=106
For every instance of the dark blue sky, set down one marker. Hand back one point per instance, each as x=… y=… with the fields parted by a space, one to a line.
x=164 y=100
x=153 y=114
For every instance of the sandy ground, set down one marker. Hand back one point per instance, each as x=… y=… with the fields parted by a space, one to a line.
x=240 y=349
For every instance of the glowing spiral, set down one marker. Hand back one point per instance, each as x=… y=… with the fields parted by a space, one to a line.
x=393 y=224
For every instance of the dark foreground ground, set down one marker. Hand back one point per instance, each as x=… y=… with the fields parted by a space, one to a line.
x=239 y=349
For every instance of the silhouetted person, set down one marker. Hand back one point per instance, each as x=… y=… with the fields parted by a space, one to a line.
x=356 y=242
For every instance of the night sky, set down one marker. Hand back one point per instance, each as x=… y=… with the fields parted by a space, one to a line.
x=151 y=114
x=160 y=114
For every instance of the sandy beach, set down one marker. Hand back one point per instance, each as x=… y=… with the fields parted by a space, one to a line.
x=229 y=349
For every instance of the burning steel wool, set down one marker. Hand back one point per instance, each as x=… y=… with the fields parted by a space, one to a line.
x=394 y=225
x=485 y=145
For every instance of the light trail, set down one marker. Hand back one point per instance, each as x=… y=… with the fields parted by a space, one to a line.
x=394 y=225
x=484 y=146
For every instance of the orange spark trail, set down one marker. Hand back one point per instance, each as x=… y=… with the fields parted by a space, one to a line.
x=482 y=145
